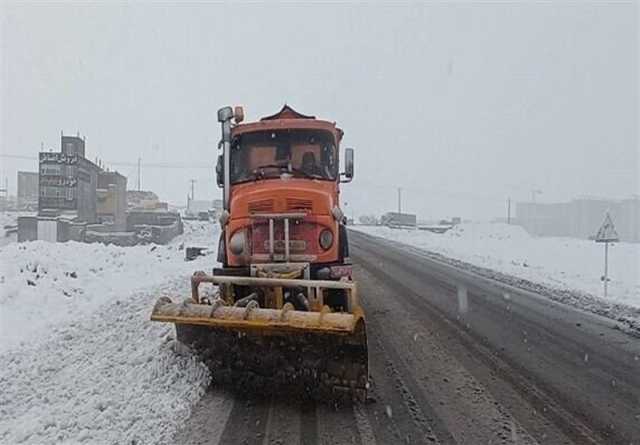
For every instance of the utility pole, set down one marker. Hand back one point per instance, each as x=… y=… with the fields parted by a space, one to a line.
x=139 y=159
x=192 y=181
x=508 y=210
x=399 y=199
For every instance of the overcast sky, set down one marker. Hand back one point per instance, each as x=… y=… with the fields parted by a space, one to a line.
x=462 y=105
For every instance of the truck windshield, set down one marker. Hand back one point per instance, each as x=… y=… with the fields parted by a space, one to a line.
x=268 y=154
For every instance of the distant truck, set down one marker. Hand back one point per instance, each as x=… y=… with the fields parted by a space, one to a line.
x=398 y=220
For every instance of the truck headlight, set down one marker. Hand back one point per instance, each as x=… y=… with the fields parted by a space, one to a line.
x=326 y=239
x=238 y=242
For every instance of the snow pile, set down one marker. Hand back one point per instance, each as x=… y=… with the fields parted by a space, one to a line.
x=81 y=360
x=64 y=281
x=114 y=377
x=559 y=263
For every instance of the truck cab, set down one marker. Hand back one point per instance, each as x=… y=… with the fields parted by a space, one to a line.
x=281 y=182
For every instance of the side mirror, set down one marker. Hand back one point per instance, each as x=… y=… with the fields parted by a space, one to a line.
x=220 y=171
x=238 y=114
x=225 y=114
x=348 y=164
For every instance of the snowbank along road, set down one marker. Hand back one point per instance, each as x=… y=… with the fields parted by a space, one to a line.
x=81 y=362
x=454 y=358
x=561 y=264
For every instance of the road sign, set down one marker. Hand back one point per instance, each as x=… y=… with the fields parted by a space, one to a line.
x=607 y=231
x=606 y=234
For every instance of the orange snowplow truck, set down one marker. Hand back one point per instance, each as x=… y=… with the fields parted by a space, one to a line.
x=282 y=311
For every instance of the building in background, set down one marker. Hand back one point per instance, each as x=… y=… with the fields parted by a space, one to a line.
x=627 y=219
x=396 y=220
x=79 y=201
x=27 y=190
x=68 y=182
x=4 y=196
x=580 y=218
x=217 y=205
x=216 y=210
x=196 y=207
x=111 y=198
x=72 y=145
x=145 y=200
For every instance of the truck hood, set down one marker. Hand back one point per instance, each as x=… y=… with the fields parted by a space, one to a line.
x=293 y=195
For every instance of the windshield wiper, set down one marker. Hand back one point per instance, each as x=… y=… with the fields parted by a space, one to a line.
x=306 y=174
x=258 y=172
x=270 y=166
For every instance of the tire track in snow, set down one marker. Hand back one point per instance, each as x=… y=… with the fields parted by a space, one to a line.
x=308 y=424
x=283 y=424
x=367 y=436
x=426 y=426
x=337 y=425
x=247 y=422
x=208 y=419
x=567 y=425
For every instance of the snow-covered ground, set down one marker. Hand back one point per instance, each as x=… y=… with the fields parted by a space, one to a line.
x=81 y=360
x=558 y=263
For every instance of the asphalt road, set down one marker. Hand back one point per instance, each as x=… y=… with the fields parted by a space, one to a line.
x=455 y=358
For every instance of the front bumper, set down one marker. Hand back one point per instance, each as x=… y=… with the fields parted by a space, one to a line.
x=322 y=271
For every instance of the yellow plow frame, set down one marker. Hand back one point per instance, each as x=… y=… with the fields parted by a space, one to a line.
x=318 y=318
x=325 y=351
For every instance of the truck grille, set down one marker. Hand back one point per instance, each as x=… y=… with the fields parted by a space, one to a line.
x=295 y=246
x=303 y=238
x=299 y=205
x=262 y=206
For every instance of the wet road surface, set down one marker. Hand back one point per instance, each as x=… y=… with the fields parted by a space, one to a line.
x=454 y=359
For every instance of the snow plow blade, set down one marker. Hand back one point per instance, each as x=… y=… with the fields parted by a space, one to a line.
x=314 y=353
